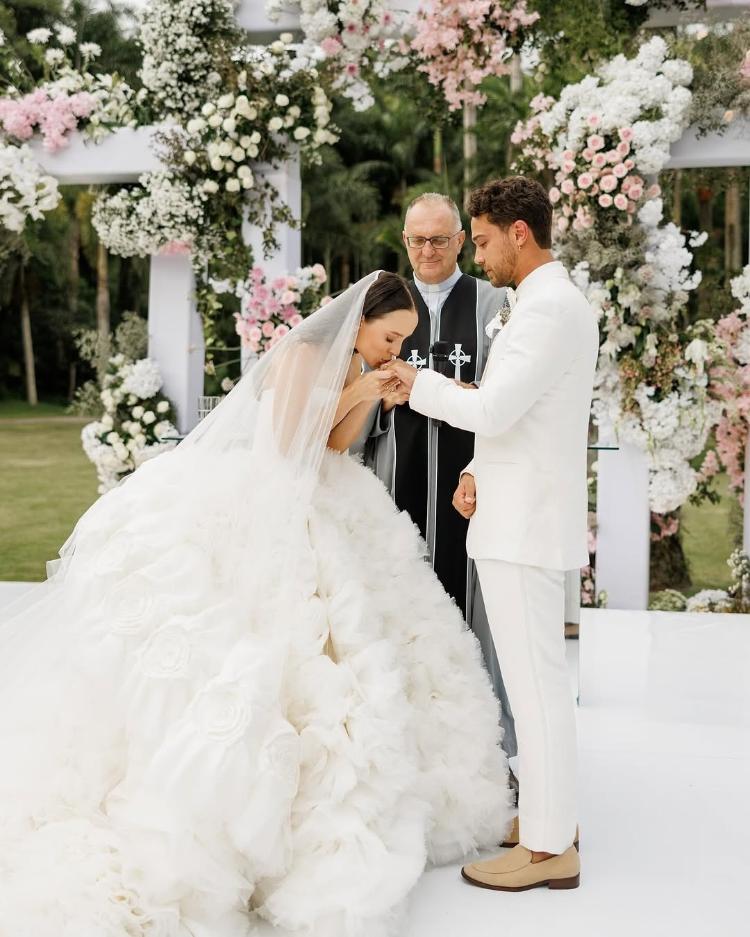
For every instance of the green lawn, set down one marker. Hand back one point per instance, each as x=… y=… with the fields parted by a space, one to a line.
x=707 y=541
x=46 y=483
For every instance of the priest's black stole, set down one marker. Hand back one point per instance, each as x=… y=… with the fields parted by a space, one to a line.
x=458 y=323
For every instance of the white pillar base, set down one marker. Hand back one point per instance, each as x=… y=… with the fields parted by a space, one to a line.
x=175 y=335
x=623 y=527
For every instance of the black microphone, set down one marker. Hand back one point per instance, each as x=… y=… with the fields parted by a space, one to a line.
x=440 y=357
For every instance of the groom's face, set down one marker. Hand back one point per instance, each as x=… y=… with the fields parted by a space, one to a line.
x=495 y=251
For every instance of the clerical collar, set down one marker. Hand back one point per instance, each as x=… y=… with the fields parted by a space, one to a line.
x=445 y=287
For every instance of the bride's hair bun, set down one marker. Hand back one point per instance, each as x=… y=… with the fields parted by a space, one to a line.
x=387 y=294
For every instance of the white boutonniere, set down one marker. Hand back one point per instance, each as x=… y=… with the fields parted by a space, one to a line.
x=504 y=313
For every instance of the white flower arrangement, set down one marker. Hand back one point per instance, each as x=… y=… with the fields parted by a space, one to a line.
x=135 y=422
x=139 y=222
x=26 y=192
x=182 y=41
x=348 y=36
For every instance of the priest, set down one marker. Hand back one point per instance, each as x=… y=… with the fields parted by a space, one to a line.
x=418 y=459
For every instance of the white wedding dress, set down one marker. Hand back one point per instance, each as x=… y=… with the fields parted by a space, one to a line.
x=243 y=695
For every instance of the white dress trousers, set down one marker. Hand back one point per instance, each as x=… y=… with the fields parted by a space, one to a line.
x=525 y=607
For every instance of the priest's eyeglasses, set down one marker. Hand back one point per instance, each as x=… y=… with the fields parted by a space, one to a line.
x=439 y=242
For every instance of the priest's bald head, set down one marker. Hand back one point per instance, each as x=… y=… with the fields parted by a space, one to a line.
x=433 y=236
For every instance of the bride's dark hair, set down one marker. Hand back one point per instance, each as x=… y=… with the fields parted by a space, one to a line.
x=387 y=294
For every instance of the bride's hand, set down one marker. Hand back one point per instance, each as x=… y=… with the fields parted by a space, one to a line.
x=376 y=385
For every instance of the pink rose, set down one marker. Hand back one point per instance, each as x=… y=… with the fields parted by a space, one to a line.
x=281 y=330
x=605 y=200
x=625 y=134
x=331 y=46
x=654 y=191
x=598 y=161
x=554 y=195
x=568 y=165
x=295 y=321
x=745 y=67
x=588 y=155
x=567 y=187
x=562 y=224
x=620 y=171
x=594 y=120
x=568 y=154
x=621 y=201
x=608 y=183
x=623 y=148
x=585 y=180
x=319 y=272
x=629 y=164
x=288 y=298
x=268 y=329
x=254 y=335
x=635 y=192
x=595 y=142
x=631 y=207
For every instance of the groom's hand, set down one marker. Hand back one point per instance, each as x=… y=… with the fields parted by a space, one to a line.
x=406 y=374
x=465 y=497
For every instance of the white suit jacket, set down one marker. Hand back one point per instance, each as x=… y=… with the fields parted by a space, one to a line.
x=531 y=417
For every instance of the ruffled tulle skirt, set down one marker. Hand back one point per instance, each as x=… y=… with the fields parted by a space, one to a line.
x=209 y=717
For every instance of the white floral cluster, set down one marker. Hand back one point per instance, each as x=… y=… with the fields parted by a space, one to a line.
x=345 y=34
x=26 y=191
x=626 y=93
x=179 y=40
x=637 y=308
x=143 y=221
x=114 y=98
x=710 y=600
x=135 y=422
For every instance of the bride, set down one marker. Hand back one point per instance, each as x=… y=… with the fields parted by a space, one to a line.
x=242 y=692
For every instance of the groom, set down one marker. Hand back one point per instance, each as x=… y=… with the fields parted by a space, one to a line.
x=525 y=492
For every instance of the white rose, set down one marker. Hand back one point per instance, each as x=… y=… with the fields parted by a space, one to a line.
x=225 y=148
x=286 y=38
x=282 y=100
x=252 y=151
x=137 y=412
x=196 y=125
x=229 y=166
x=162 y=406
x=214 y=121
x=121 y=452
x=244 y=172
x=295 y=111
x=233 y=185
x=149 y=417
x=229 y=124
x=245 y=142
x=217 y=164
x=140 y=440
x=107 y=421
x=275 y=124
x=248 y=182
x=210 y=186
x=238 y=154
x=226 y=101
x=208 y=109
x=255 y=137
x=112 y=438
x=300 y=133
x=189 y=157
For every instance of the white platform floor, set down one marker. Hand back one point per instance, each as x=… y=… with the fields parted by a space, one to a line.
x=664 y=742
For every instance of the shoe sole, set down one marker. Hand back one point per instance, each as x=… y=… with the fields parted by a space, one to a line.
x=554 y=884
x=513 y=845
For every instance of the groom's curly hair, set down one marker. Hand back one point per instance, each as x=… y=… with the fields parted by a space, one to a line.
x=516 y=198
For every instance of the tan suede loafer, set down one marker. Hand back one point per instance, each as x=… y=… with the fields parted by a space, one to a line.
x=514 y=836
x=514 y=871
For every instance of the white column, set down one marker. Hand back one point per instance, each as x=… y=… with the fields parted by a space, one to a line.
x=623 y=526
x=175 y=334
x=288 y=182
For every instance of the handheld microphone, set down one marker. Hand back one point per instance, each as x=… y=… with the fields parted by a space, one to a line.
x=440 y=358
